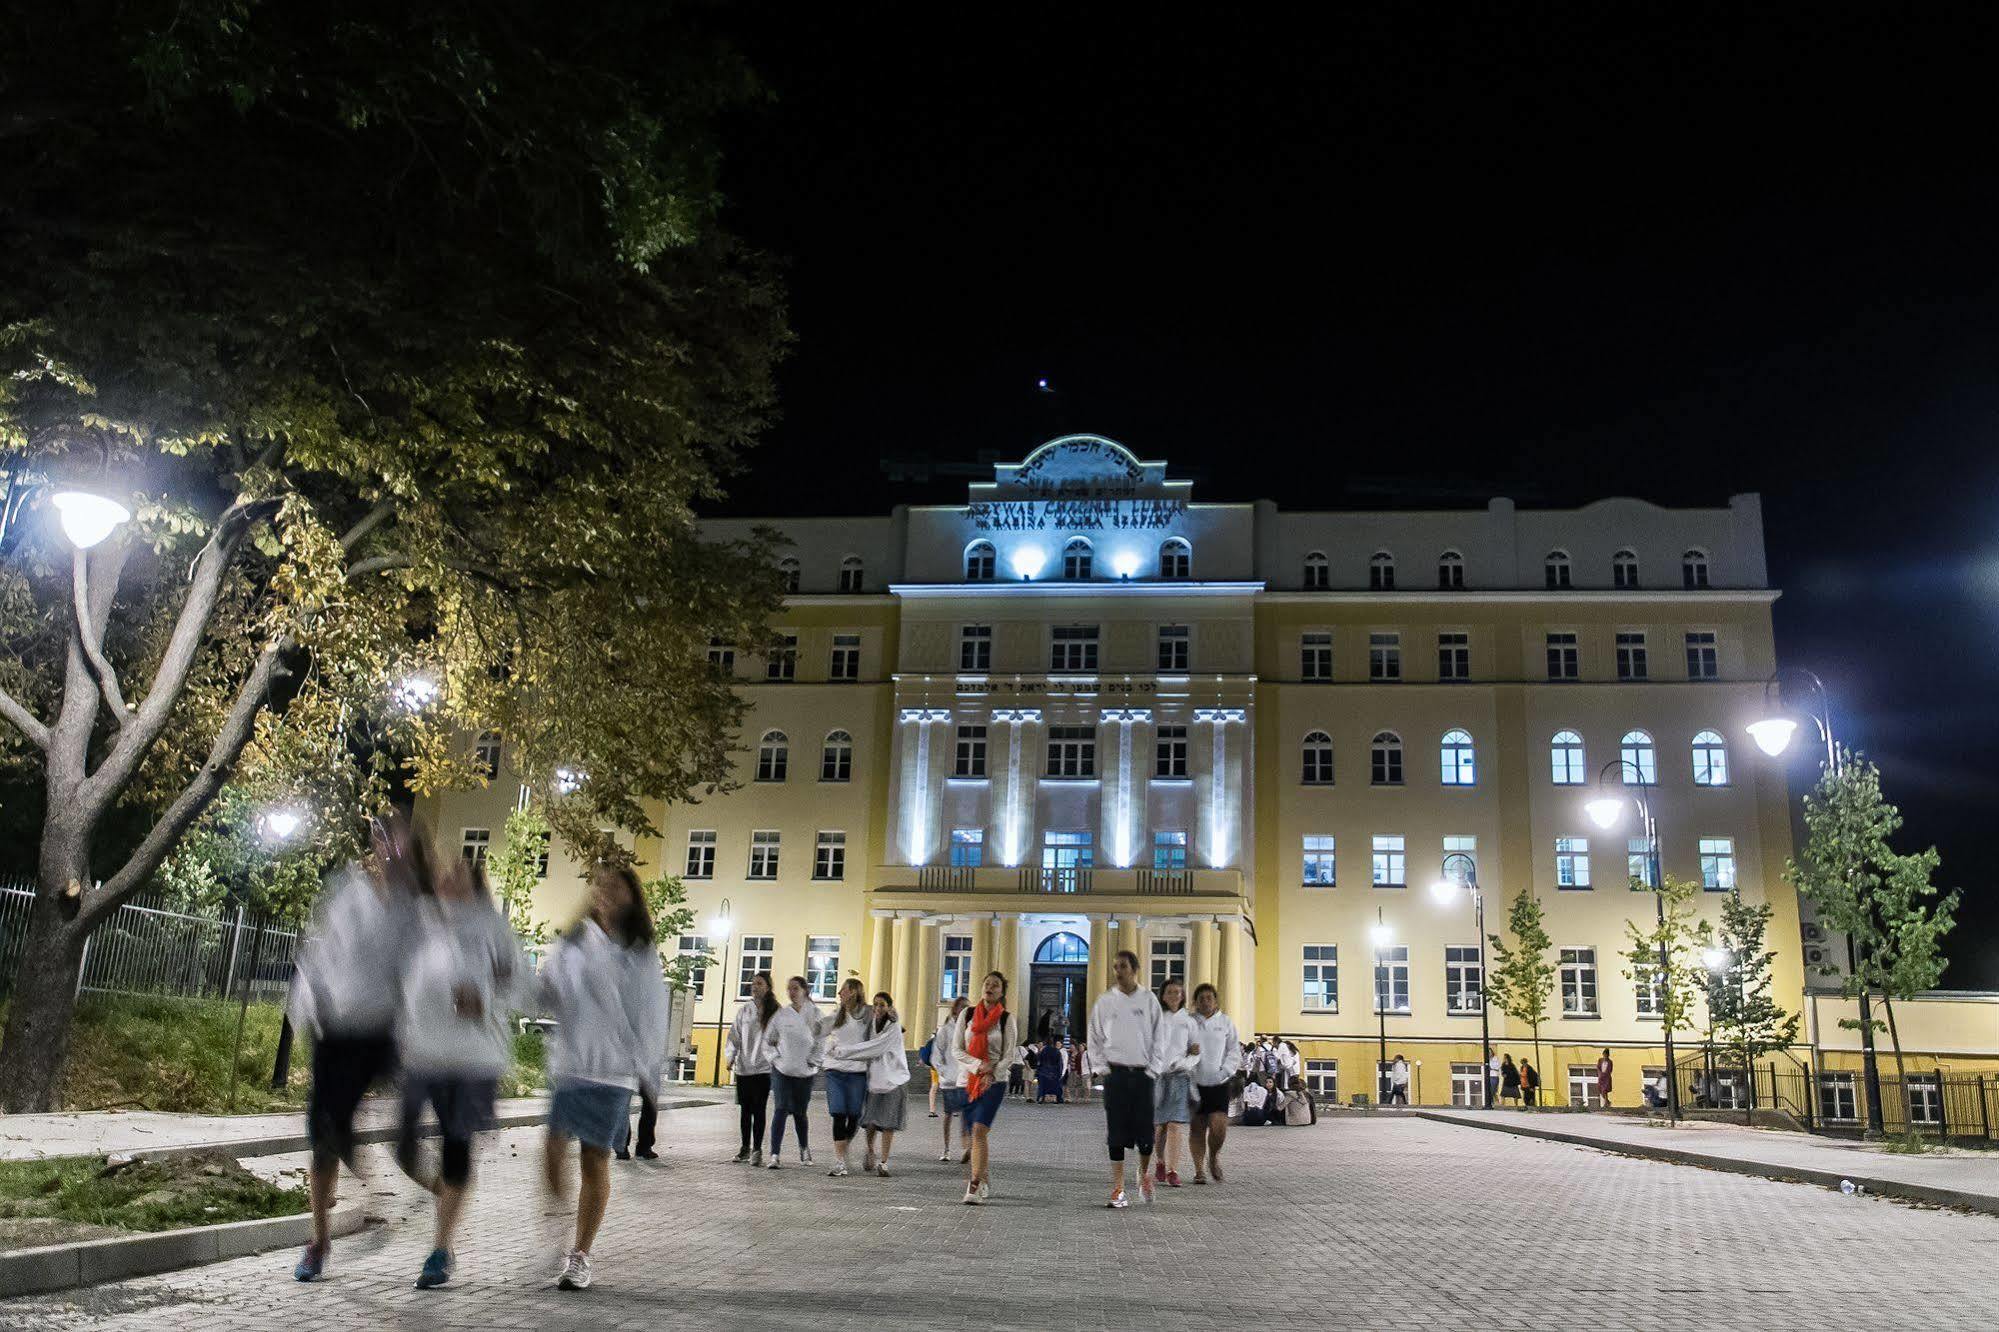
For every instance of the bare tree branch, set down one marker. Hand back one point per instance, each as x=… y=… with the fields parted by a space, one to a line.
x=24 y=721
x=369 y=521
x=92 y=639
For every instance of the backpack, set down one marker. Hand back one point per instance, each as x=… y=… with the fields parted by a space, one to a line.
x=924 y=1053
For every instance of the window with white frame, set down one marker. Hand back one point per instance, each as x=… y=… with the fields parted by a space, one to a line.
x=1315 y=657
x=759 y=955
x=1318 y=573
x=1169 y=752
x=763 y=853
x=1718 y=864
x=1582 y=1087
x=1693 y=569
x=1638 y=863
x=487 y=752
x=1925 y=1099
x=1460 y=762
x=773 y=756
x=1572 y=863
x=1391 y=861
x=1454 y=655
x=1651 y=995
x=836 y=760
x=822 y=965
x=1322 y=978
x=1168 y=963
x=829 y=856
x=1450 y=571
x=1624 y=569
x=701 y=854
x=1169 y=849
x=1578 y=982
x=1838 y=1101
x=1072 y=751
x=1631 y=662
x=1321 y=861
x=1468 y=1086
x=1322 y=1076
x=1555 y=569
x=1078 y=559
x=781 y=661
x=787 y=574
x=957 y=975
x=850 y=574
x=474 y=843
x=721 y=657
x=1318 y=759
x=1176 y=559
x=1381 y=571
x=1463 y=979
x=1391 y=978
x=1565 y=759
x=1564 y=662
x=1384 y=656
x=845 y=664
x=1639 y=764
x=981 y=562
x=1460 y=844
x=1702 y=662
x=1174 y=640
x=1385 y=759
x=695 y=945
x=975 y=648
x=968 y=847
x=1710 y=759
x=1073 y=647
x=969 y=760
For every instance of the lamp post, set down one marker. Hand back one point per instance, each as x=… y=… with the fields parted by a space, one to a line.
x=1444 y=890
x=1381 y=934
x=721 y=925
x=1606 y=811
x=1773 y=733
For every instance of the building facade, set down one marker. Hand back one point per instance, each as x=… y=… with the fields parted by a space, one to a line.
x=1086 y=711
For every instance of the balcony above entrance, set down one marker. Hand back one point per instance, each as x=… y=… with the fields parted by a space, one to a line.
x=1071 y=881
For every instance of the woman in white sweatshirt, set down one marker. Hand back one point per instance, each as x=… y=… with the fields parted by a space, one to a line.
x=887 y=1059
x=750 y=1062
x=1214 y=1075
x=950 y=1075
x=791 y=1038
x=603 y=984
x=846 y=1079
x=1176 y=1050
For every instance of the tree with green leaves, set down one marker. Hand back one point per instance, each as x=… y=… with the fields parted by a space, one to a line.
x=409 y=337
x=666 y=899
x=1522 y=978
x=517 y=868
x=1742 y=1014
x=1663 y=954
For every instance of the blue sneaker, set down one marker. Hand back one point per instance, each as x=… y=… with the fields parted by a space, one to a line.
x=310 y=1263
x=436 y=1270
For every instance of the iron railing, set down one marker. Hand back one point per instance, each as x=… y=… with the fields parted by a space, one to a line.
x=144 y=948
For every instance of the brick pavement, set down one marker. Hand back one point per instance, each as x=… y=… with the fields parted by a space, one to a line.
x=1356 y=1222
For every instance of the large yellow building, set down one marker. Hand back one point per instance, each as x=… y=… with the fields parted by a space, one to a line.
x=1084 y=711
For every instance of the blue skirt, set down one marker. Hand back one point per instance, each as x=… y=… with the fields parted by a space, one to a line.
x=590 y=1112
x=1170 y=1096
x=846 y=1093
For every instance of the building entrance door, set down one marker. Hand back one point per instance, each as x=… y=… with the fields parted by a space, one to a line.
x=1059 y=1008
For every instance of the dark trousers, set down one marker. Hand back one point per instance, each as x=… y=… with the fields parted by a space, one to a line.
x=753 y=1104
x=648 y=1125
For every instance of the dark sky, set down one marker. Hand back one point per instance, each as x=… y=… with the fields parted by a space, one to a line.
x=1649 y=250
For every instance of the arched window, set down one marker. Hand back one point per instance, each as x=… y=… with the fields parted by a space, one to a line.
x=1318 y=759
x=1077 y=559
x=773 y=756
x=1710 y=760
x=787 y=573
x=1641 y=760
x=1381 y=571
x=836 y=760
x=1450 y=570
x=1318 y=573
x=850 y=574
x=1386 y=759
x=981 y=562
x=1460 y=760
x=1565 y=758
x=1176 y=559
x=1556 y=568
x=1624 y=568
x=1693 y=568
x=1065 y=948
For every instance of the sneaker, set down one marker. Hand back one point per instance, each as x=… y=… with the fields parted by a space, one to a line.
x=772 y=1163
x=1215 y=1171
x=805 y=1156
x=1118 y=1200
x=838 y=1172
x=310 y=1263
x=868 y=1163
x=742 y=1156
x=1145 y=1191
x=575 y=1272
x=881 y=1171
x=648 y=1155
x=1159 y=1171
x=966 y=1159
x=756 y=1158
x=933 y=1114
x=985 y=1190
x=1200 y=1179
x=946 y=1156
x=436 y=1270
x=971 y=1196
x=622 y=1154
x=1172 y=1179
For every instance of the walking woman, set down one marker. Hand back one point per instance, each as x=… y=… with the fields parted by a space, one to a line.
x=950 y=1076
x=986 y=1034
x=887 y=1058
x=1214 y=1074
x=846 y=1079
x=791 y=1038
x=1176 y=1051
x=603 y=986
x=1509 y=1079
x=749 y=1060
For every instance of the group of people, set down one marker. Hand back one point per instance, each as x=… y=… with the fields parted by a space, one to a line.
x=411 y=965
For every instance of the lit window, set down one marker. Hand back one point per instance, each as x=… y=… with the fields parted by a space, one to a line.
x=1454 y=656
x=487 y=753
x=1565 y=755
x=1639 y=760
x=975 y=648
x=1322 y=978
x=1323 y=1077
x=850 y=574
x=1638 y=864
x=763 y=854
x=1562 y=656
x=1631 y=655
x=845 y=665
x=1578 y=974
x=1318 y=754
x=1391 y=864
x=773 y=756
x=759 y=955
x=474 y=843
x=836 y=760
x=1459 y=760
x=822 y=966
x=1391 y=979
x=970 y=760
x=957 y=978
x=1624 y=569
x=1315 y=657
x=701 y=854
x=968 y=847
x=1321 y=861
x=1381 y=571
x=695 y=946
x=1318 y=573
x=1073 y=647
x=1169 y=963
x=1078 y=559
x=1556 y=569
x=1702 y=662
x=1718 y=864
x=1173 y=647
x=1385 y=755
x=1169 y=850
x=1572 y=863
x=1710 y=760
x=781 y=662
x=1464 y=982
x=1170 y=752
x=1450 y=570
x=981 y=562
x=1176 y=559
x=1693 y=569
x=1384 y=656
x=787 y=574
x=1072 y=751
x=1650 y=994
x=829 y=856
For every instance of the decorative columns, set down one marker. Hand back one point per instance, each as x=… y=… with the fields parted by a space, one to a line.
x=1220 y=849
x=1120 y=813
x=921 y=1001
x=1010 y=804
x=881 y=961
x=1230 y=981
x=916 y=785
x=1129 y=929
x=982 y=952
x=1100 y=957
x=1201 y=955
x=1006 y=957
x=903 y=974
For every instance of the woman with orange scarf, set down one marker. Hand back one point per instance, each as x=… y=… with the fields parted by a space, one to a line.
x=986 y=1036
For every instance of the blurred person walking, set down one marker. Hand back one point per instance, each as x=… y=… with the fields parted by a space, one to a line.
x=749 y=1061
x=791 y=1038
x=886 y=1055
x=951 y=1075
x=852 y=1023
x=1214 y=1072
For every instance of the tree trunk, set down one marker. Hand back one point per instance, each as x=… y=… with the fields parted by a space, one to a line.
x=1901 y=1072
x=39 y=1013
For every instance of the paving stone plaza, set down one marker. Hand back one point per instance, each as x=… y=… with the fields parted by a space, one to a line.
x=1356 y=1222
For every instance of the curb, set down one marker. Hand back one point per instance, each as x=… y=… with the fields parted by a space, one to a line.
x=89 y=1262
x=1888 y=1188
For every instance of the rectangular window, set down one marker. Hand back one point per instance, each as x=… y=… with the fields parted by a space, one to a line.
x=1651 y=995
x=474 y=843
x=1173 y=647
x=1572 y=863
x=763 y=854
x=1578 y=974
x=975 y=648
x=1384 y=656
x=1463 y=980
x=1638 y=864
x=759 y=954
x=957 y=967
x=829 y=856
x=1582 y=1087
x=1170 y=752
x=1321 y=862
x=1837 y=1099
x=1322 y=978
x=1323 y=1077
x=1169 y=850
x=968 y=847
x=1718 y=864
x=1391 y=978
x=845 y=665
x=781 y=663
x=1925 y=1099
x=701 y=854
x=1562 y=657
x=695 y=945
x=487 y=754
x=1702 y=664
x=1391 y=865
x=1073 y=647
x=970 y=760
x=1468 y=1086
x=822 y=965
x=1315 y=657
x=1072 y=751
x=1631 y=656
x=1169 y=962
x=721 y=657
x=1454 y=656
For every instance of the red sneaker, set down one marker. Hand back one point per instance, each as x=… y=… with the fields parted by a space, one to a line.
x=1159 y=1171
x=1172 y=1179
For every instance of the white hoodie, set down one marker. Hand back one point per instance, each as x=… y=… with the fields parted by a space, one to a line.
x=847 y=1029
x=944 y=1053
x=745 y=1045
x=791 y=1038
x=886 y=1060
x=1170 y=1042
x=1221 y=1049
x=349 y=973
x=609 y=1003
x=463 y=947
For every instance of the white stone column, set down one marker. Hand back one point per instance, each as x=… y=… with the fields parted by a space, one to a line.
x=1121 y=813
x=918 y=790
x=1222 y=815
x=1013 y=813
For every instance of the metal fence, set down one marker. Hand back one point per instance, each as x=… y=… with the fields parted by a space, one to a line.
x=147 y=949
x=1930 y=1103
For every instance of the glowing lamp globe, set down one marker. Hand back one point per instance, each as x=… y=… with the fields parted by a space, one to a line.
x=1381 y=934
x=1773 y=734
x=86 y=518
x=1126 y=564
x=416 y=692
x=280 y=824
x=719 y=927
x=1716 y=958
x=1027 y=561
x=1605 y=811
x=1444 y=890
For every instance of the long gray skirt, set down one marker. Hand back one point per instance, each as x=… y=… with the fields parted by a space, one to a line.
x=886 y=1110
x=1170 y=1096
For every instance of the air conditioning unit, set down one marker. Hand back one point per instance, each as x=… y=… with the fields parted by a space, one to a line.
x=1814 y=932
x=1815 y=957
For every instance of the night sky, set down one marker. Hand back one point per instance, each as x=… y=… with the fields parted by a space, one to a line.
x=1415 y=255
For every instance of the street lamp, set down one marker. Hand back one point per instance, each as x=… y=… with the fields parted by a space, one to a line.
x=280 y=823
x=1715 y=958
x=86 y=518
x=1381 y=934
x=721 y=925
x=416 y=691
x=1606 y=810
x=1444 y=890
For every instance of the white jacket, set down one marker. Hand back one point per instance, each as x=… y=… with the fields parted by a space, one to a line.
x=349 y=973
x=1170 y=1042
x=792 y=1039
x=846 y=1029
x=944 y=1053
x=745 y=1043
x=886 y=1059
x=1123 y=1029
x=1221 y=1049
x=609 y=1003
x=461 y=948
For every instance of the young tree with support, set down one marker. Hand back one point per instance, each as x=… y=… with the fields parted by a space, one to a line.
x=1662 y=954
x=1742 y=1014
x=1523 y=979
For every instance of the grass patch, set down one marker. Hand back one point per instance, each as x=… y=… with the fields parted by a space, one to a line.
x=200 y=1190
x=1909 y=1144
x=527 y=1076
x=174 y=1055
